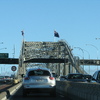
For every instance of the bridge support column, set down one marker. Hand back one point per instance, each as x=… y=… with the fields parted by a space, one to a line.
x=73 y=70
x=22 y=70
x=58 y=70
x=66 y=69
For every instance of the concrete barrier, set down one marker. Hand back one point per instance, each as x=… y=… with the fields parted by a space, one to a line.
x=79 y=91
x=3 y=96
x=6 y=94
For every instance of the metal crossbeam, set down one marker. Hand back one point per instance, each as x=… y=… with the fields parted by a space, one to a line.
x=44 y=60
x=9 y=61
x=89 y=62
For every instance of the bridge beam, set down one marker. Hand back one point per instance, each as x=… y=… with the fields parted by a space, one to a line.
x=45 y=60
x=90 y=61
x=9 y=61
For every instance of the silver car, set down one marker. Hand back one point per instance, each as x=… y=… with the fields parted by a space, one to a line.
x=39 y=80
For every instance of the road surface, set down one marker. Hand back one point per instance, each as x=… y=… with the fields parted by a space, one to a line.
x=36 y=96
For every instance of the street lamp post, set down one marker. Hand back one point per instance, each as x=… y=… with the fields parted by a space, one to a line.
x=1 y=42
x=97 y=38
x=96 y=49
x=83 y=54
x=81 y=50
x=89 y=58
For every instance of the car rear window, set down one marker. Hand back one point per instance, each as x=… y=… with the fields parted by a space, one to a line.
x=39 y=73
x=75 y=76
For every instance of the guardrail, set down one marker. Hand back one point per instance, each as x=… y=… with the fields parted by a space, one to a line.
x=6 y=94
x=79 y=91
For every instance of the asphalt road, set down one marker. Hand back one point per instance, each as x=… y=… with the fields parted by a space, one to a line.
x=36 y=96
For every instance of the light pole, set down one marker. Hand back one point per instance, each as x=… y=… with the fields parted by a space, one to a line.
x=96 y=49
x=87 y=52
x=97 y=38
x=81 y=50
x=89 y=58
x=83 y=54
x=78 y=55
x=1 y=42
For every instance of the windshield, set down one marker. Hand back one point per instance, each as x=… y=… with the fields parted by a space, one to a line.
x=39 y=73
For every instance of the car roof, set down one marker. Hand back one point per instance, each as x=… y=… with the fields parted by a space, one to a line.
x=75 y=74
x=38 y=68
x=86 y=74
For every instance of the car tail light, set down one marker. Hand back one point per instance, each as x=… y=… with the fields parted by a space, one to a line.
x=26 y=78
x=51 y=78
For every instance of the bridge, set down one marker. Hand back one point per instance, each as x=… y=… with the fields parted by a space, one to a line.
x=58 y=57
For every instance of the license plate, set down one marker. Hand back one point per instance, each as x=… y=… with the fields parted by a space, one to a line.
x=39 y=80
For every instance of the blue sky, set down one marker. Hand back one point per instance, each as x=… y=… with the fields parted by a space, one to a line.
x=76 y=21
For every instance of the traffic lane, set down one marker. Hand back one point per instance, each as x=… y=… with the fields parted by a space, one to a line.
x=36 y=96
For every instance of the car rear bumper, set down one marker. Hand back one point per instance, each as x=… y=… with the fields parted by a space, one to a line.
x=43 y=85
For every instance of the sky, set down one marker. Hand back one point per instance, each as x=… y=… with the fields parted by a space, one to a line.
x=76 y=21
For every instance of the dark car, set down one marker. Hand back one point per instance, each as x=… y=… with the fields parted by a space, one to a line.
x=74 y=77
x=8 y=79
x=96 y=76
x=5 y=79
